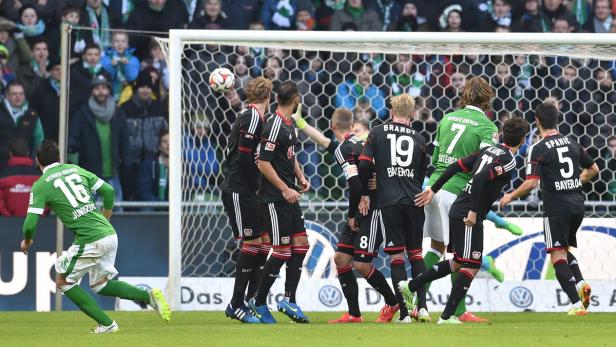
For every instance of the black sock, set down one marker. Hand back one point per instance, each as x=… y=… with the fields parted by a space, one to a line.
x=417 y=268
x=398 y=273
x=294 y=271
x=575 y=267
x=269 y=275
x=348 y=283
x=566 y=280
x=256 y=274
x=458 y=292
x=376 y=279
x=438 y=270
x=243 y=272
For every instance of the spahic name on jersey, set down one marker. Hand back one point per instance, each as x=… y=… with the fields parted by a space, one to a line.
x=557 y=162
x=400 y=161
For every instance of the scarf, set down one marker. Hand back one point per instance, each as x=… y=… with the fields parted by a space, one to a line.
x=32 y=30
x=94 y=70
x=284 y=13
x=140 y=103
x=385 y=6
x=55 y=85
x=355 y=12
x=335 y=4
x=101 y=32
x=504 y=21
x=36 y=67
x=163 y=173
x=603 y=26
x=102 y=113
x=16 y=112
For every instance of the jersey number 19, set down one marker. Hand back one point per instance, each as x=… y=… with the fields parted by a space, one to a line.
x=401 y=149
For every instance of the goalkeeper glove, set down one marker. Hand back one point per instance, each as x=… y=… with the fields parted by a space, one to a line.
x=300 y=122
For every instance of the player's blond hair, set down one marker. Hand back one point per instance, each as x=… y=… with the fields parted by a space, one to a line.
x=403 y=106
x=476 y=92
x=342 y=119
x=258 y=90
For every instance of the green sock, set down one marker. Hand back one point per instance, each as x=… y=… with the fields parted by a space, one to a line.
x=432 y=257
x=88 y=305
x=124 y=290
x=462 y=305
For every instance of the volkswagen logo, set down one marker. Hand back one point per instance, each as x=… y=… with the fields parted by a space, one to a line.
x=330 y=296
x=521 y=297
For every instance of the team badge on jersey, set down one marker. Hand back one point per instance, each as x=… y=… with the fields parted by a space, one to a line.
x=270 y=146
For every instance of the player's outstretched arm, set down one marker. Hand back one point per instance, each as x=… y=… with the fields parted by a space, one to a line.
x=313 y=133
x=522 y=190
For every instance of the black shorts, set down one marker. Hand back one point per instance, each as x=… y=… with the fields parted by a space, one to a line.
x=369 y=238
x=346 y=241
x=243 y=215
x=283 y=221
x=560 y=231
x=403 y=226
x=466 y=242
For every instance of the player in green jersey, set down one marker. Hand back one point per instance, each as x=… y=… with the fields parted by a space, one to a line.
x=66 y=189
x=460 y=133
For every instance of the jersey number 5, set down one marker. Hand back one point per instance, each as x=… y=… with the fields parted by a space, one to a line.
x=74 y=191
x=565 y=160
x=401 y=149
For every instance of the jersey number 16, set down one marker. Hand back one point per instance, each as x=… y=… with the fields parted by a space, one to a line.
x=73 y=189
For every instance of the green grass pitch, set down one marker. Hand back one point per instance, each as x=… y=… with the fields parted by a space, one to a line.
x=214 y=329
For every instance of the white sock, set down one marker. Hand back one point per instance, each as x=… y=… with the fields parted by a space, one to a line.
x=579 y=285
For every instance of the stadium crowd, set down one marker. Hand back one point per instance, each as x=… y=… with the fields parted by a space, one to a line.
x=118 y=113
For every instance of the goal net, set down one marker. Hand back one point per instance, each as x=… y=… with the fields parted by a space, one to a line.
x=360 y=71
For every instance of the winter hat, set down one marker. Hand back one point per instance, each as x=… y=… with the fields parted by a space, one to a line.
x=24 y=8
x=443 y=19
x=4 y=51
x=53 y=62
x=98 y=80
x=304 y=5
x=144 y=80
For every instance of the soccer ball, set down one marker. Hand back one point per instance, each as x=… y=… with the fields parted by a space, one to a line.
x=222 y=80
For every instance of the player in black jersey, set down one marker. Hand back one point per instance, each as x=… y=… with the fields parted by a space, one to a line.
x=492 y=168
x=398 y=155
x=279 y=196
x=361 y=239
x=239 y=196
x=562 y=166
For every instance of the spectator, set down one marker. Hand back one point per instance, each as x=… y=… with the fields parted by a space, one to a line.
x=97 y=16
x=608 y=175
x=601 y=21
x=120 y=63
x=280 y=14
x=354 y=12
x=324 y=12
x=404 y=77
x=554 y=9
x=200 y=156
x=213 y=17
x=82 y=75
x=98 y=135
x=360 y=88
x=46 y=100
x=389 y=11
x=505 y=89
x=241 y=69
x=409 y=20
x=17 y=119
x=562 y=25
x=33 y=74
x=451 y=19
x=30 y=24
x=6 y=74
x=145 y=119
x=79 y=38
x=16 y=180
x=532 y=19
x=304 y=20
x=16 y=47
x=155 y=15
x=244 y=12
x=498 y=16
x=156 y=59
x=153 y=179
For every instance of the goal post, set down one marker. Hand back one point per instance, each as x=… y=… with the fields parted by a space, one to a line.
x=196 y=220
